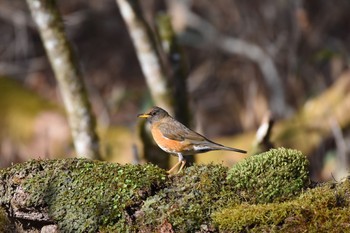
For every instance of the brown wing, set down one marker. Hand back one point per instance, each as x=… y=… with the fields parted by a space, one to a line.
x=193 y=142
x=179 y=132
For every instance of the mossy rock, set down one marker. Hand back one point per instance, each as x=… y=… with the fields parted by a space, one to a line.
x=92 y=196
x=276 y=175
x=322 y=209
x=188 y=200
x=82 y=195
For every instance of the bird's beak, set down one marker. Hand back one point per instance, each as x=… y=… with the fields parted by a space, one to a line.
x=144 y=115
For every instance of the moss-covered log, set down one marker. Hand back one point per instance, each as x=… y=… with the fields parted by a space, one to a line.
x=80 y=195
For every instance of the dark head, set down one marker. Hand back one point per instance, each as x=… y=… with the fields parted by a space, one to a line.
x=155 y=114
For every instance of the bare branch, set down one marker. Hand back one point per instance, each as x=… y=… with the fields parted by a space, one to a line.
x=210 y=35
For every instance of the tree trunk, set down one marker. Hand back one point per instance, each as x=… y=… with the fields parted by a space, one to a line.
x=81 y=120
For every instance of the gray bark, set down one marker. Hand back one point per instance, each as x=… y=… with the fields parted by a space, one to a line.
x=146 y=52
x=81 y=120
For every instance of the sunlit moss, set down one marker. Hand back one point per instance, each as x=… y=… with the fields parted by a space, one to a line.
x=323 y=209
x=275 y=175
x=83 y=195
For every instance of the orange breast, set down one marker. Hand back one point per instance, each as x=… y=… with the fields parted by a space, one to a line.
x=166 y=144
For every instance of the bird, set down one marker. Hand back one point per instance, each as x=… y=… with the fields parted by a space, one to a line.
x=176 y=139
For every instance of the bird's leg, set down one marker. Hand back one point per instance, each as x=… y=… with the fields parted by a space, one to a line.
x=176 y=165
x=181 y=160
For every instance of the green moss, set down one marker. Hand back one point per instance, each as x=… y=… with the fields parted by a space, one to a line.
x=276 y=175
x=187 y=201
x=83 y=195
x=90 y=196
x=323 y=209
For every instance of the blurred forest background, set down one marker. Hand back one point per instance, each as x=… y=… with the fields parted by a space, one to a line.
x=246 y=60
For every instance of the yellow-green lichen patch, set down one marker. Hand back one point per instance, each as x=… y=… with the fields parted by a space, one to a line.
x=187 y=201
x=276 y=175
x=85 y=196
x=322 y=209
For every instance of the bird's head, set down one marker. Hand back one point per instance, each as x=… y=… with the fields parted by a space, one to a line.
x=155 y=114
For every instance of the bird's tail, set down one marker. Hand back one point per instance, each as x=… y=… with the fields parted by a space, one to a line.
x=210 y=145
x=221 y=147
